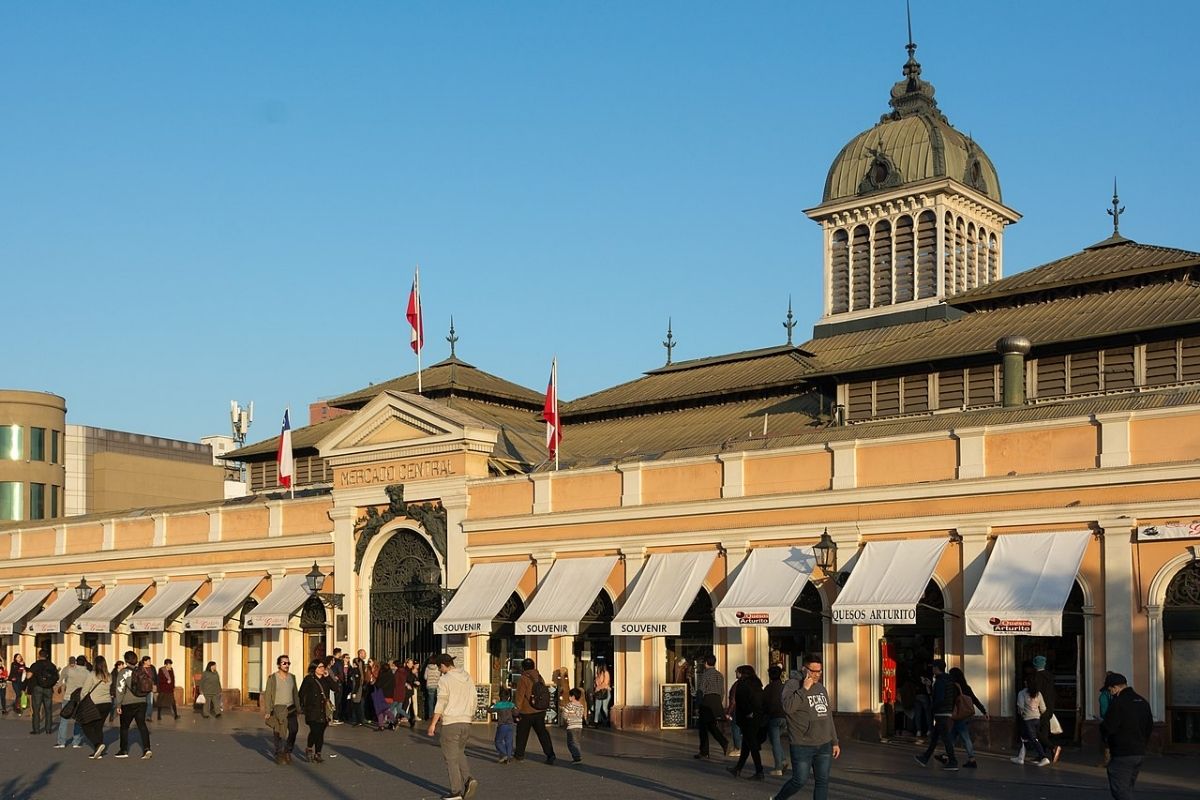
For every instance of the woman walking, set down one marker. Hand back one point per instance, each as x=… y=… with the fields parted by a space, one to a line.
x=96 y=688
x=384 y=697
x=962 y=727
x=1030 y=706
x=314 y=700
x=282 y=700
x=210 y=687
x=748 y=713
x=601 y=694
x=16 y=676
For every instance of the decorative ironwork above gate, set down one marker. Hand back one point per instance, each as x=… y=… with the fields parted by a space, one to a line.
x=1184 y=589
x=431 y=516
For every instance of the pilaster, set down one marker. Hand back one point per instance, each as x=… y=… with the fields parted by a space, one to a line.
x=1114 y=439
x=354 y=603
x=845 y=464
x=1118 y=594
x=635 y=666
x=971 y=453
x=631 y=484
x=160 y=529
x=275 y=521
x=108 y=537
x=214 y=526
x=543 y=492
x=974 y=559
x=733 y=474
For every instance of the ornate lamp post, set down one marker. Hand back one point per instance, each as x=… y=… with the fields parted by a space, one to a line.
x=315 y=580
x=84 y=592
x=826 y=553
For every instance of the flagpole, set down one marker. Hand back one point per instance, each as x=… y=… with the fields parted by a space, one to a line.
x=420 y=326
x=557 y=421
x=292 y=477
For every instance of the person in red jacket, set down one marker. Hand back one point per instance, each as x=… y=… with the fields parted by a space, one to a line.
x=166 y=689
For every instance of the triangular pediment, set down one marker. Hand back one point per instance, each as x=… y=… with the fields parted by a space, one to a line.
x=398 y=421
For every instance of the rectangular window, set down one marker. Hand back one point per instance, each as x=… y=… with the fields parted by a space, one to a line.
x=10 y=443
x=54 y=494
x=11 y=507
x=55 y=437
x=37 y=444
x=37 y=501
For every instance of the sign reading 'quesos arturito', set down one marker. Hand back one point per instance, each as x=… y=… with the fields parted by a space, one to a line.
x=885 y=615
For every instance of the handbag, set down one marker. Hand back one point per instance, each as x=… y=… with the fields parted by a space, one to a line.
x=69 y=707
x=602 y=694
x=86 y=711
x=201 y=699
x=1056 y=727
x=963 y=707
x=24 y=700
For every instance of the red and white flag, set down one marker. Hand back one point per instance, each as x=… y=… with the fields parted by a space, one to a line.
x=284 y=454
x=550 y=414
x=415 y=318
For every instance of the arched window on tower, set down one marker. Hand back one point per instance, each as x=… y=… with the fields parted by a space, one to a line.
x=993 y=258
x=972 y=257
x=948 y=254
x=927 y=255
x=839 y=273
x=883 y=263
x=960 y=257
x=904 y=260
x=860 y=256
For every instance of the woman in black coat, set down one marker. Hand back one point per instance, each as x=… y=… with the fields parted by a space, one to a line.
x=750 y=716
x=314 y=703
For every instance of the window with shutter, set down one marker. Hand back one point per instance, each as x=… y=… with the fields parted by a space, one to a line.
x=887 y=397
x=860 y=396
x=1085 y=372
x=950 y=389
x=839 y=273
x=1189 y=358
x=1118 y=368
x=1161 y=363
x=904 y=259
x=860 y=269
x=915 y=390
x=983 y=386
x=927 y=254
x=883 y=264
x=1051 y=376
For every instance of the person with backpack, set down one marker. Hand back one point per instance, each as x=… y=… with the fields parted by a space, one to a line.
x=72 y=679
x=44 y=676
x=533 y=698
x=945 y=691
x=133 y=685
x=965 y=704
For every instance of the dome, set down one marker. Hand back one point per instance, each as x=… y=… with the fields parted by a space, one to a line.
x=912 y=143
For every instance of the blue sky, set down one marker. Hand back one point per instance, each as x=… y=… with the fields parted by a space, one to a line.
x=208 y=201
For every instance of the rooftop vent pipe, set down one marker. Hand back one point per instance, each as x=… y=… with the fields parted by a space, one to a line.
x=1013 y=349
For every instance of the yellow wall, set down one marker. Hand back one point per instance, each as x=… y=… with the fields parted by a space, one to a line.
x=85 y=538
x=187 y=529
x=680 y=483
x=131 y=534
x=118 y=481
x=589 y=490
x=507 y=499
x=1164 y=439
x=301 y=518
x=1040 y=450
x=907 y=462
x=39 y=542
x=245 y=523
x=799 y=472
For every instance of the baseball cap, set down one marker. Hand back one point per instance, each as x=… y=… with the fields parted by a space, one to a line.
x=1039 y=662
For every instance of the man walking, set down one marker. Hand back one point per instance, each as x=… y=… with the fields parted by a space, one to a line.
x=133 y=685
x=811 y=729
x=43 y=676
x=432 y=676
x=533 y=714
x=454 y=711
x=944 y=692
x=1126 y=729
x=710 y=689
x=166 y=689
x=73 y=677
x=1043 y=681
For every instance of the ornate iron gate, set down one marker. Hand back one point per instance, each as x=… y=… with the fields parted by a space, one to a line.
x=405 y=599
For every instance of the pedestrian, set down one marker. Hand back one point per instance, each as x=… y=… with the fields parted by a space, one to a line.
x=44 y=677
x=432 y=676
x=370 y=673
x=751 y=719
x=811 y=730
x=1030 y=707
x=99 y=692
x=72 y=679
x=1104 y=701
x=601 y=694
x=166 y=689
x=281 y=698
x=454 y=710
x=1044 y=682
x=149 y=667
x=944 y=693
x=354 y=692
x=533 y=698
x=412 y=682
x=1126 y=729
x=923 y=703
x=735 y=730
x=314 y=702
x=573 y=713
x=402 y=696
x=385 y=697
x=133 y=684
x=117 y=669
x=419 y=696
x=506 y=724
x=710 y=693
x=337 y=679
x=210 y=688
x=964 y=710
x=16 y=676
x=776 y=717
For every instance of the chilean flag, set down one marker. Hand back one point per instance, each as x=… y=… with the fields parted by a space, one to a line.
x=550 y=413
x=415 y=318
x=284 y=454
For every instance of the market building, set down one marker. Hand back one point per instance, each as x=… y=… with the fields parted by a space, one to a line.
x=955 y=465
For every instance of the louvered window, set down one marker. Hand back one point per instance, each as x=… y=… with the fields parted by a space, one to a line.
x=860 y=400
x=904 y=259
x=993 y=259
x=860 y=255
x=916 y=393
x=972 y=257
x=983 y=385
x=887 y=397
x=927 y=254
x=1118 y=368
x=950 y=389
x=883 y=264
x=839 y=273
x=1085 y=372
x=1162 y=365
x=1051 y=376
x=1189 y=358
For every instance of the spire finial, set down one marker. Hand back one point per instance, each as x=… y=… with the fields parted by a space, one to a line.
x=911 y=47
x=453 y=337
x=670 y=342
x=1116 y=211
x=791 y=320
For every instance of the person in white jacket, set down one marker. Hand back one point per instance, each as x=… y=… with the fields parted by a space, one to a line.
x=1030 y=707
x=454 y=711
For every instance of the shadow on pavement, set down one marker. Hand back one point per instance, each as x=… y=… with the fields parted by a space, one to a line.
x=363 y=759
x=12 y=790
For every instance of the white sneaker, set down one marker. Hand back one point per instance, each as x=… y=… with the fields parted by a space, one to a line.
x=59 y=746
x=1045 y=762
x=1017 y=760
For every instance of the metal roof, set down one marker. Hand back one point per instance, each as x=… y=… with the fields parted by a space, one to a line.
x=451 y=376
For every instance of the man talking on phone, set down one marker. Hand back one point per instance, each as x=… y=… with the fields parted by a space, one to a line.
x=810 y=726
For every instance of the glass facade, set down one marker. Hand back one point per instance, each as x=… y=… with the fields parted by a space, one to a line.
x=10 y=443
x=54 y=491
x=37 y=444
x=37 y=501
x=55 y=437
x=11 y=494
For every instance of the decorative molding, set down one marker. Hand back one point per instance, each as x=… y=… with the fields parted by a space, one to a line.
x=430 y=516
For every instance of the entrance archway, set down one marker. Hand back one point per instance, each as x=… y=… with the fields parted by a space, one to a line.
x=404 y=599
x=788 y=646
x=1064 y=660
x=1181 y=627
x=312 y=625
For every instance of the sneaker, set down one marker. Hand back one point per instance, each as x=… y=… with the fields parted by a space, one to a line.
x=921 y=761
x=502 y=760
x=777 y=773
x=1045 y=762
x=99 y=751
x=971 y=764
x=122 y=754
x=471 y=786
x=60 y=747
x=1017 y=760
x=950 y=767
x=77 y=746
x=452 y=796
x=146 y=756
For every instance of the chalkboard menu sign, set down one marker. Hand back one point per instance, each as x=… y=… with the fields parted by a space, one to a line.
x=672 y=706
x=483 y=701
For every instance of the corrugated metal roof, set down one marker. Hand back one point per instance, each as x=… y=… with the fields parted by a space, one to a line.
x=451 y=376
x=305 y=438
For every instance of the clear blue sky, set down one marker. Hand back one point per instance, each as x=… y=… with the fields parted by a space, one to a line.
x=208 y=201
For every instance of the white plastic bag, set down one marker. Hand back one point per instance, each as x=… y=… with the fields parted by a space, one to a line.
x=201 y=699
x=1056 y=728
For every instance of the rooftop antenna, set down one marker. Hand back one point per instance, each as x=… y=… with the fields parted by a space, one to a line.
x=1116 y=211
x=670 y=342
x=791 y=320
x=240 y=419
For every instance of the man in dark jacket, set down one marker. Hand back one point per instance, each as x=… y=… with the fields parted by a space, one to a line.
x=131 y=708
x=944 y=693
x=1126 y=729
x=43 y=677
x=776 y=717
x=1043 y=680
x=530 y=716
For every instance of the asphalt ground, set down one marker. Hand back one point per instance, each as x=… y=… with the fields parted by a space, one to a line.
x=231 y=758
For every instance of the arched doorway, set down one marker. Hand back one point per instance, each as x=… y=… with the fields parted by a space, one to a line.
x=405 y=599
x=594 y=646
x=506 y=650
x=1064 y=660
x=789 y=645
x=909 y=649
x=1181 y=627
x=252 y=654
x=686 y=652
x=312 y=626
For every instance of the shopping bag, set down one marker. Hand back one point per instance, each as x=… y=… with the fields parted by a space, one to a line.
x=201 y=699
x=1056 y=728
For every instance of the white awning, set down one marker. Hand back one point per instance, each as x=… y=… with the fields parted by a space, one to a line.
x=285 y=599
x=53 y=619
x=227 y=596
x=665 y=590
x=888 y=582
x=163 y=606
x=482 y=594
x=565 y=596
x=766 y=588
x=21 y=607
x=116 y=601
x=1025 y=584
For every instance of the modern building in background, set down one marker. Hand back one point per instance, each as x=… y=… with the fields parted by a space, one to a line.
x=32 y=465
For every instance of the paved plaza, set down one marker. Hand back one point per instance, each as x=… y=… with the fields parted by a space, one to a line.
x=230 y=758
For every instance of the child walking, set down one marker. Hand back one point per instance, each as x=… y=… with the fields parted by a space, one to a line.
x=574 y=713
x=506 y=725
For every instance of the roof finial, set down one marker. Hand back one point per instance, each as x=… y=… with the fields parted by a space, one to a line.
x=1116 y=211
x=911 y=47
x=791 y=320
x=453 y=337
x=670 y=342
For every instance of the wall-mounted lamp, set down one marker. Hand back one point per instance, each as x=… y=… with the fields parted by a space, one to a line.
x=315 y=581
x=84 y=592
x=826 y=552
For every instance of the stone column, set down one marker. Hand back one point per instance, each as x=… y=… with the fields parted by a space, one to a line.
x=355 y=605
x=974 y=558
x=1118 y=595
x=638 y=672
x=539 y=648
x=1156 y=684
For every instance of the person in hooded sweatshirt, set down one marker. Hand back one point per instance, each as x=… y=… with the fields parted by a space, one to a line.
x=454 y=711
x=531 y=718
x=811 y=729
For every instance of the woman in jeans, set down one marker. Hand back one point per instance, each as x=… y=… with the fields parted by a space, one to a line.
x=1030 y=706
x=314 y=701
x=962 y=727
x=97 y=687
x=16 y=676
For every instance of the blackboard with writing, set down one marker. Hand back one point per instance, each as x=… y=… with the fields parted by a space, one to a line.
x=483 y=701
x=672 y=706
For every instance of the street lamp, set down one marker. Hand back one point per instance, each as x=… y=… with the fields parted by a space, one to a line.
x=84 y=592
x=826 y=553
x=315 y=580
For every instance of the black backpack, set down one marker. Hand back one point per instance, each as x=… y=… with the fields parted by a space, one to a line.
x=47 y=676
x=539 y=697
x=140 y=682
